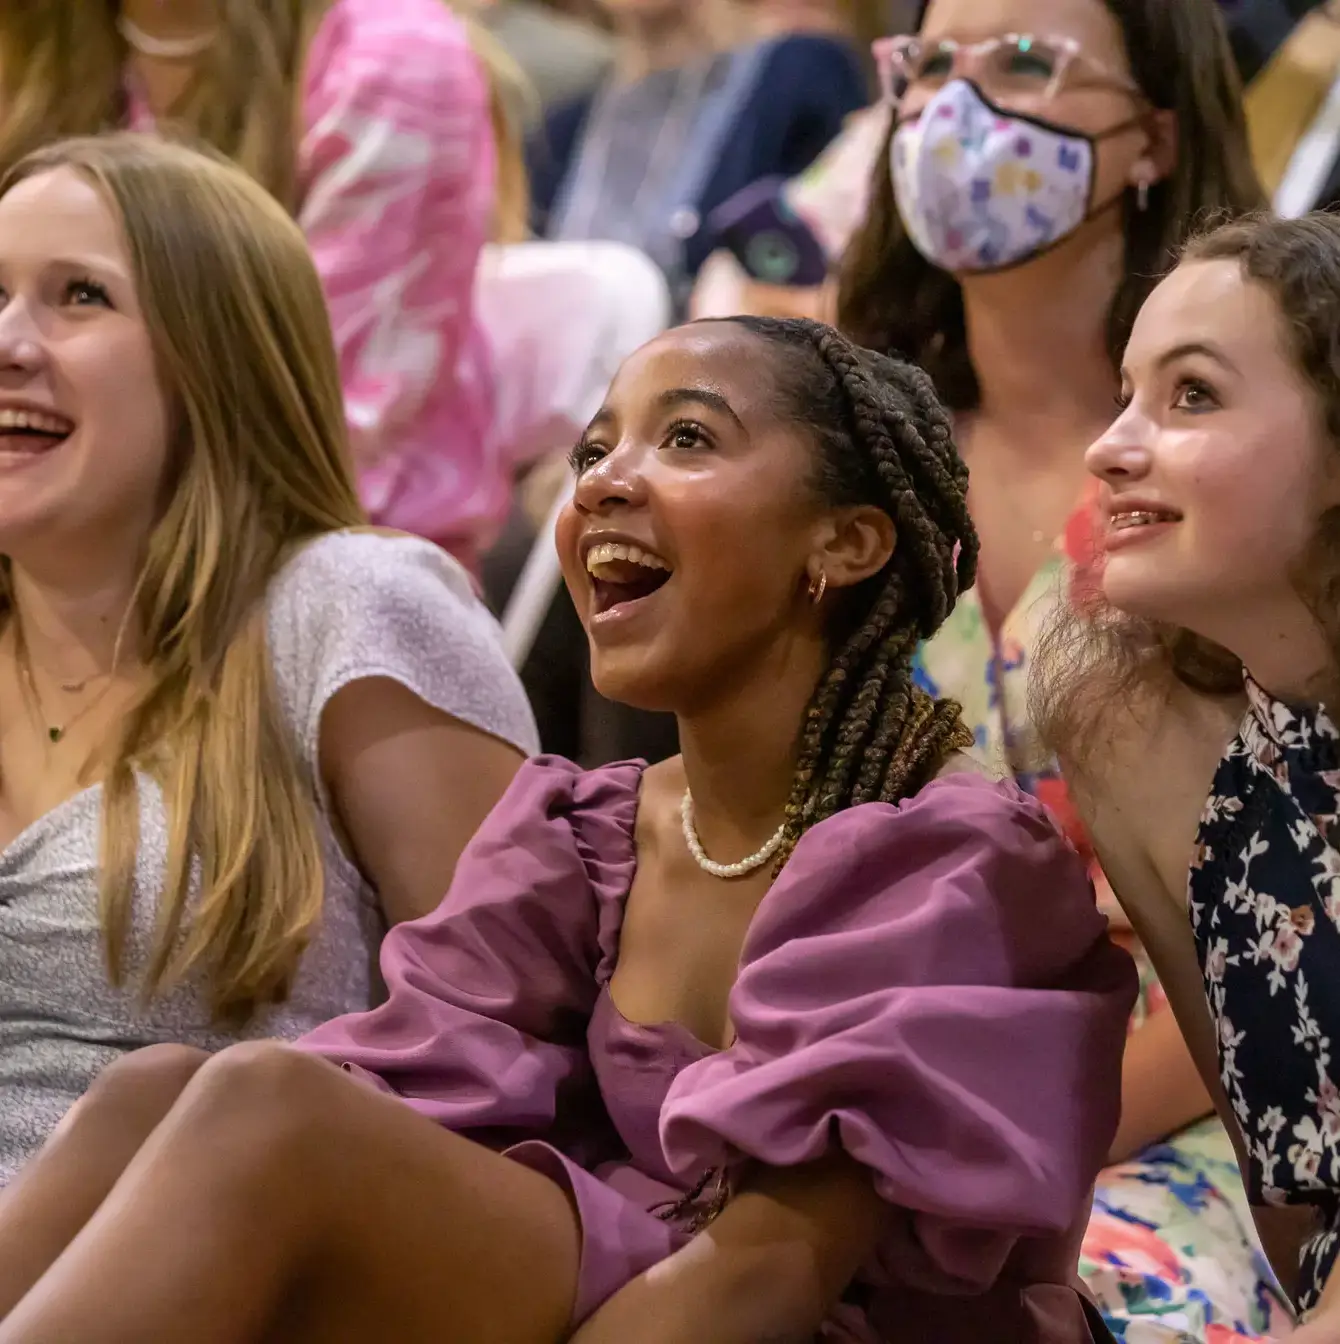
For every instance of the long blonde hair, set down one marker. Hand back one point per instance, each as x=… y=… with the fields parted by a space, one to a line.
x=62 y=73
x=260 y=465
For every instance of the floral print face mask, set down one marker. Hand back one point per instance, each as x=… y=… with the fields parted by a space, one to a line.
x=980 y=188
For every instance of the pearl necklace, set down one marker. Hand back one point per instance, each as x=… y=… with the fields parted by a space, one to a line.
x=163 y=48
x=725 y=870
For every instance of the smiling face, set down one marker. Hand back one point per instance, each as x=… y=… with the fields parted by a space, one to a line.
x=693 y=533
x=1217 y=470
x=83 y=419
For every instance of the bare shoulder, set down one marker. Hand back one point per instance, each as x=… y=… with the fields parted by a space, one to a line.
x=1143 y=795
x=659 y=799
x=664 y=782
x=960 y=763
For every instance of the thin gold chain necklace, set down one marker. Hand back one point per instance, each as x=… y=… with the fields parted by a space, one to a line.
x=55 y=732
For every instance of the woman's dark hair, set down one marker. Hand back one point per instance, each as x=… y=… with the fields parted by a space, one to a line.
x=1092 y=657
x=871 y=733
x=893 y=299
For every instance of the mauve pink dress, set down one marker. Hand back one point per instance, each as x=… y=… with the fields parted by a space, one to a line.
x=929 y=985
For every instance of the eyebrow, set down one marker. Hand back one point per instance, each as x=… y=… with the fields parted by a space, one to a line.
x=1205 y=348
x=600 y=419
x=675 y=397
x=672 y=399
x=102 y=265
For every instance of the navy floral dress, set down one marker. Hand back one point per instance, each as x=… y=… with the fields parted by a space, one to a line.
x=1265 y=907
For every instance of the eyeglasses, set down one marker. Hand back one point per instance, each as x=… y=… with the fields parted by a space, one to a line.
x=1013 y=66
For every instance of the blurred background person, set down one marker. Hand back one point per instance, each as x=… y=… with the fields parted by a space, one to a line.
x=1293 y=99
x=706 y=97
x=562 y=56
x=1287 y=52
x=376 y=124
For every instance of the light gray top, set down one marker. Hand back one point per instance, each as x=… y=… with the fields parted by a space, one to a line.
x=348 y=606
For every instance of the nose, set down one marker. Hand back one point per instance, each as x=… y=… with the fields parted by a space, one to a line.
x=614 y=481
x=1123 y=453
x=21 y=349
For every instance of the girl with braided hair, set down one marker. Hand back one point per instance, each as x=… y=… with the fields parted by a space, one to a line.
x=850 y=1087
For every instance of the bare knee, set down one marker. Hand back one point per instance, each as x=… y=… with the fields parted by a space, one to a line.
x=144 y=1084
x=266 y=1096
x=128 y=1099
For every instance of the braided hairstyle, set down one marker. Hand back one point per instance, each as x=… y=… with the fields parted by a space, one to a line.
x=871 y=734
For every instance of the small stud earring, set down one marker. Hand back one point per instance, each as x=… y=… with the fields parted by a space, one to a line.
x=1142 y=195
x=818 y=587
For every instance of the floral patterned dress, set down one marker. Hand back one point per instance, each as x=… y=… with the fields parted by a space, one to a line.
x=1265 y=907
x=1170 y=1252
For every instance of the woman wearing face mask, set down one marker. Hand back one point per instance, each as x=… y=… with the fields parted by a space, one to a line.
x=1214 y=811
x=1046 y=159
x=370 y=120
x=238 y=734
x=772 y=1034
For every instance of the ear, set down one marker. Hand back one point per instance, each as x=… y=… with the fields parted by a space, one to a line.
x=1159 y=160
x=851 y=545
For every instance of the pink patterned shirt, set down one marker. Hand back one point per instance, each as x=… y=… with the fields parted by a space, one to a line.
x=396 y=175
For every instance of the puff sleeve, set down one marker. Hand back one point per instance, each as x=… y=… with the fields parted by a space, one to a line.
x=932 y=988
x=484 y=1026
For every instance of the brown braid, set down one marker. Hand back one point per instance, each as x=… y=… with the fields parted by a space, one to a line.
x=870 y=733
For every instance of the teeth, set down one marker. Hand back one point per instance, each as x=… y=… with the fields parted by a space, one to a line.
x=1138 y=518
x=609 y=551
x=34 y=420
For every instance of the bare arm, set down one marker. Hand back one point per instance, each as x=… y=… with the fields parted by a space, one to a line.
x=410 y=785
x=1142 y=813
x=767 y=1271
x=1161 y=1089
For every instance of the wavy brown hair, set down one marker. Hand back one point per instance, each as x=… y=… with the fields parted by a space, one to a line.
x=259 y=459
x=1094 y=662
x=62 y=72
x=891 y=298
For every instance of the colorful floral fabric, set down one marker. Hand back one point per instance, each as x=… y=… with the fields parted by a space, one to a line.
x=1265 y=907
x=980 y=187
x=1170 y=1253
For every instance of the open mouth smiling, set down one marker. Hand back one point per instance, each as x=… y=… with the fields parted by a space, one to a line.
x=622 y=576
x=28 y=433
x=1125 y=519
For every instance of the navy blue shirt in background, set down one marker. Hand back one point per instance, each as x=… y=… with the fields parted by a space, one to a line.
x=808 y=86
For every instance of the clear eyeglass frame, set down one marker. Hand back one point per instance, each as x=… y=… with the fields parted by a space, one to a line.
x=901 y=62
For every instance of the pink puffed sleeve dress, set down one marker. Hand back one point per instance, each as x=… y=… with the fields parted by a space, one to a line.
x=929 y=986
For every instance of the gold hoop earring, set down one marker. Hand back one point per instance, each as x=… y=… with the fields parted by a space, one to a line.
x=818 y=587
